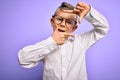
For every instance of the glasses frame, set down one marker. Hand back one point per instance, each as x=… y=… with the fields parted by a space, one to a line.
x=75 y=22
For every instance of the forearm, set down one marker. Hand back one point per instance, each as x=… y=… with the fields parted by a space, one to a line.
x=30 y=56
x=99 y=22
x=100 y=25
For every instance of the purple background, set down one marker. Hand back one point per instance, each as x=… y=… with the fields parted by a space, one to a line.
x=25 y=22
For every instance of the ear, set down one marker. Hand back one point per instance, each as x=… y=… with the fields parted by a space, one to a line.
x=74 y=28
x=52 y=22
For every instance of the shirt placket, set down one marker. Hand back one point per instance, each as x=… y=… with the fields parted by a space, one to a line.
x=63 y=62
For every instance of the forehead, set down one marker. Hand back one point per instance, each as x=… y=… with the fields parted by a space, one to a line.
x=66 y=14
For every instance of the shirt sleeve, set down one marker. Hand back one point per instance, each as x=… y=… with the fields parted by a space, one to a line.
x=30 y=55
x=100 y=29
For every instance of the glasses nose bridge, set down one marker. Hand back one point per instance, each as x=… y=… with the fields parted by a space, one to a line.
x=63 y=22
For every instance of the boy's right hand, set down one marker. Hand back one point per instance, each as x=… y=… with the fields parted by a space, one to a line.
x=60 y=37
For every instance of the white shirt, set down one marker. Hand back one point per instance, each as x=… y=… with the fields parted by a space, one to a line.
x=67 y=61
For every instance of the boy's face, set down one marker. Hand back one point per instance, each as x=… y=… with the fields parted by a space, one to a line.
x=64 y=21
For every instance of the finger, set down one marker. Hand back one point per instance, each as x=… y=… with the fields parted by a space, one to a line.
x=80 y=19
x=63 y=38
x=79 y=7
x=68 y=11
x=68 y=34
x=80 y=4
x=81 y=16
x=77 y=11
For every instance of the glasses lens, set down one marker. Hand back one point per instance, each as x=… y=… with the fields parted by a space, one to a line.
x=68 y=22
x=58 y=19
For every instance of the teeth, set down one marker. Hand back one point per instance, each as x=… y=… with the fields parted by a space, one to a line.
x=61 y=30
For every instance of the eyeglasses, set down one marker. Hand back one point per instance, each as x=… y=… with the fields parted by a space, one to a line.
x=68 y=22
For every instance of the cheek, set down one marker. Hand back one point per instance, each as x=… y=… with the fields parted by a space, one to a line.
x=54 y=26
x=69 y=29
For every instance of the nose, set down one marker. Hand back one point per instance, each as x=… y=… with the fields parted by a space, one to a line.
x=63 y=23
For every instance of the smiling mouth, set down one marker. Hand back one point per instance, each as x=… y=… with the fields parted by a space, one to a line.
x=61 y=30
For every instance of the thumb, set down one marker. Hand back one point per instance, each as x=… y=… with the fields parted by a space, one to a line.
x=81 y=17
x=82 y=14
